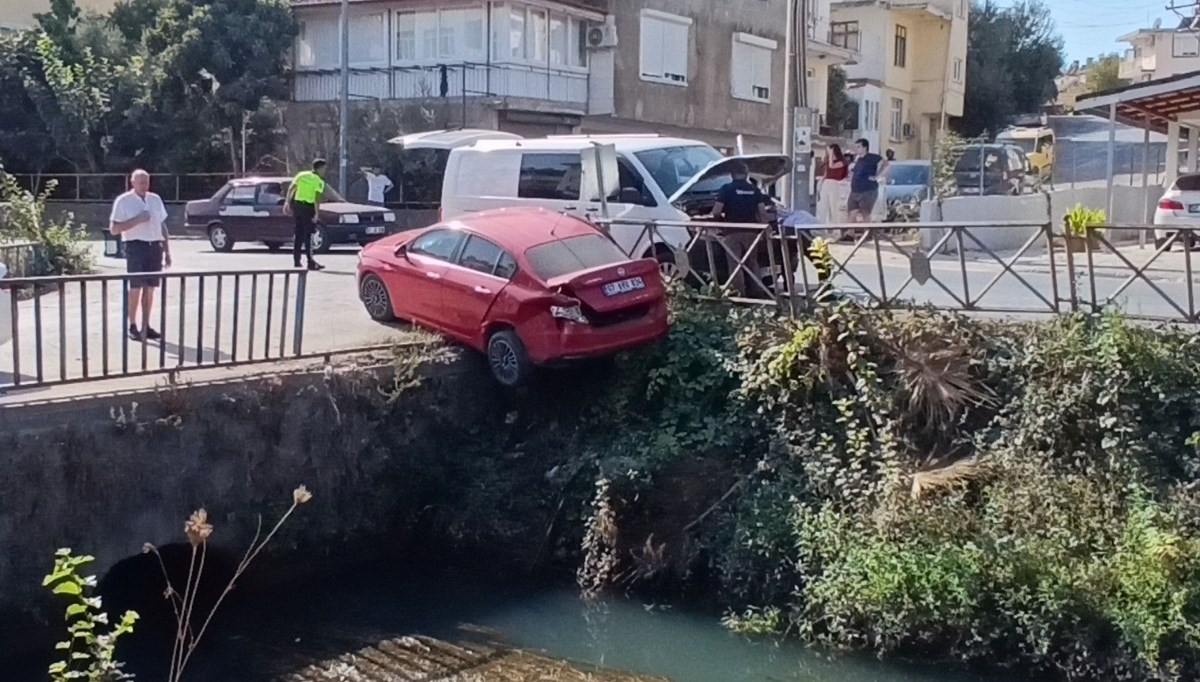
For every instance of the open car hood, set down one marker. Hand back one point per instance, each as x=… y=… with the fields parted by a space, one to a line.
x=765 y=169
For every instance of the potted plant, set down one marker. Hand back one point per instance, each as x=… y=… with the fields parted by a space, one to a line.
x=1079 y=227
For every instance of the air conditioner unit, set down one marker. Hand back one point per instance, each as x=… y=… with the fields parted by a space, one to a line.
x=602 y=36
x=910 y=131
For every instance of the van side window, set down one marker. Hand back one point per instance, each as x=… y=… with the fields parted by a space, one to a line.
x=630 y=179
x=550 y=176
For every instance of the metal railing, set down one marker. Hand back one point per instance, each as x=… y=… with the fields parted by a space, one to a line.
x=71 y=329
x=947 y=266
x=107 y=186
x=22 y=258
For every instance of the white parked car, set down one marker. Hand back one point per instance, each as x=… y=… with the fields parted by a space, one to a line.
x=5 y=310
x=1178 y=207
x=657 y=178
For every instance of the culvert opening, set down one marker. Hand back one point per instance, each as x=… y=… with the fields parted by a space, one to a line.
x=138 y=583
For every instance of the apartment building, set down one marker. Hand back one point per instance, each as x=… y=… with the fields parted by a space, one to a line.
x=1161 y=52
x=910 y=77
x=704 y=69
x=18 y=14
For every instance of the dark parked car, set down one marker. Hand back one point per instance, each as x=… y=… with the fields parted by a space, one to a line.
x=251 y=210
x=991 y=169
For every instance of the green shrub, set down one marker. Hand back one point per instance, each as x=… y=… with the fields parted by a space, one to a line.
x=1008 y=493
x=61 y=247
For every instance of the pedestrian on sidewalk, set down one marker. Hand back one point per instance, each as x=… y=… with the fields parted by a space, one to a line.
x=378 y=185
x=864 y=182
x=140 y=219
x=835 y=187
x=303 y=202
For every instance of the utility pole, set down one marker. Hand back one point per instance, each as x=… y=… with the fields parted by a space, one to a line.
x=797 y=124
x=344 y=103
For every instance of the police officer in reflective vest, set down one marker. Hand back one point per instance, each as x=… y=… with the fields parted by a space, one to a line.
x=304 y=200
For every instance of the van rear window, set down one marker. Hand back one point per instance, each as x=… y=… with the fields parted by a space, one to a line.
x=573 y=254
x=550 y=176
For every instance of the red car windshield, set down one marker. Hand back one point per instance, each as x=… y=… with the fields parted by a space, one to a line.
x=573 y=254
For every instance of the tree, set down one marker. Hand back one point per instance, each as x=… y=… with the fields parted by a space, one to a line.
x=1014 y=54
x=841 y=112
x=1104 y=74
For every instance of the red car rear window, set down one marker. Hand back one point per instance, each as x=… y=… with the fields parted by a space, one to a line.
x=555 y=259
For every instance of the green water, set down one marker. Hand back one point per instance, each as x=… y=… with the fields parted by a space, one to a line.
x=269 y=635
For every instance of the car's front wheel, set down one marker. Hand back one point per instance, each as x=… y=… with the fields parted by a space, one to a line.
x=376 y=299
x=507 y=359
x=219 y=238
x=320 y=240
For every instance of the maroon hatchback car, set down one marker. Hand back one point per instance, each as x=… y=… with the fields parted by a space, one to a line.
x=251 y=210
x=525 y=286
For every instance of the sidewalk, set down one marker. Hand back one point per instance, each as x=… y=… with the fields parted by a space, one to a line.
x=1170 y=266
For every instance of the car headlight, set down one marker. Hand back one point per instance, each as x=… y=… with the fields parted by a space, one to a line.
x=389 y=217
x=349 y=219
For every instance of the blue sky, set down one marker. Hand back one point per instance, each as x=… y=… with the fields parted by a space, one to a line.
x=1091 y=27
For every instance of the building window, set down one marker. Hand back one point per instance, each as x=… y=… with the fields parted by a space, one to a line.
x=751 y=73
x=1185 y=45
x=439 y=35
x=317 y=42
x=870 y=116
x=844 y=34
x=536 y=35
x=897 y=132
x=368 y=44
x=550 y=176
x=901 y=48
x=958 y=70
x=664 y=47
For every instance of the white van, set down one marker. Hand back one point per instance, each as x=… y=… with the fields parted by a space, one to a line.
x=660 y=178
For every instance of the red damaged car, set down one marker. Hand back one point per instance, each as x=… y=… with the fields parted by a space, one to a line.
x=525 y=286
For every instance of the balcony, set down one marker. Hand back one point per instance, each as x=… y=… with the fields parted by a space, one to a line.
x=566 y=87
x=1133 y=68
x=943 y=9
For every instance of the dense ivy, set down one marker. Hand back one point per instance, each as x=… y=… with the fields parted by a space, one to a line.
x=1013 y=493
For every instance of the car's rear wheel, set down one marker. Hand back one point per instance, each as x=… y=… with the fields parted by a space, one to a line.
x=376 y=299
x=320 y=240
x=507 y=359
x=219 y=238
x=274 y=246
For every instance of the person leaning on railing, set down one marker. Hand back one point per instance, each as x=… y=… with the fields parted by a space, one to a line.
x=303 y=202
x=740 y=201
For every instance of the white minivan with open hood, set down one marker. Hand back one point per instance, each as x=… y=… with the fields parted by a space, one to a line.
x=651 y=178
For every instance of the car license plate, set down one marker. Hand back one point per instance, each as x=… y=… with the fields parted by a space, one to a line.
x=624 y=286
x=375 y=229
x=1193 y=208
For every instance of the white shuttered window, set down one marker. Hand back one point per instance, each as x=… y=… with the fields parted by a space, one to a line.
x=751 y=73
x=665 y=47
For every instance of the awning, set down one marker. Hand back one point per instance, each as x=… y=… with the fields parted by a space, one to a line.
x=1161 y=101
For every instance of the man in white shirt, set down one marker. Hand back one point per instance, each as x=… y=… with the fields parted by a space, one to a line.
x=378 y=185
x=140 y=219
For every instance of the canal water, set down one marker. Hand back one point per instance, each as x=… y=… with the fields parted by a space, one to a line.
x=269 y=636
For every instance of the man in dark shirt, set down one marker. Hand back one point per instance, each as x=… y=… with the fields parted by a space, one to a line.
x=740 y=201
x=864 y=182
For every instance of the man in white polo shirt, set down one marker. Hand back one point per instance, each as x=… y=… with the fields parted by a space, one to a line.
x=140 y=218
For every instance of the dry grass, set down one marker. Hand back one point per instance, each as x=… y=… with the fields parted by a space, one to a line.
x=950 y=477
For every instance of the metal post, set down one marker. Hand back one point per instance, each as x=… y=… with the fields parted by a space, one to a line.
x=1172 y=158
x=344 y=103
x=1145 y=179
x=802 y=191
x=1112 y=143
x=789 y=140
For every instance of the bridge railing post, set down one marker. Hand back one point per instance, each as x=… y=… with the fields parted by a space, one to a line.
x=298 y=331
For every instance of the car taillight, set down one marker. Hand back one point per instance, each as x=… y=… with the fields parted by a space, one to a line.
x=568 y=309
x=1170 y=205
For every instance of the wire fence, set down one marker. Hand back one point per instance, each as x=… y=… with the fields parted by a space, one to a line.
x=105 y=186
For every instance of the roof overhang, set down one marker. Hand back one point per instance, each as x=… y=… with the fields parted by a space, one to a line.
x=1157 y=103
